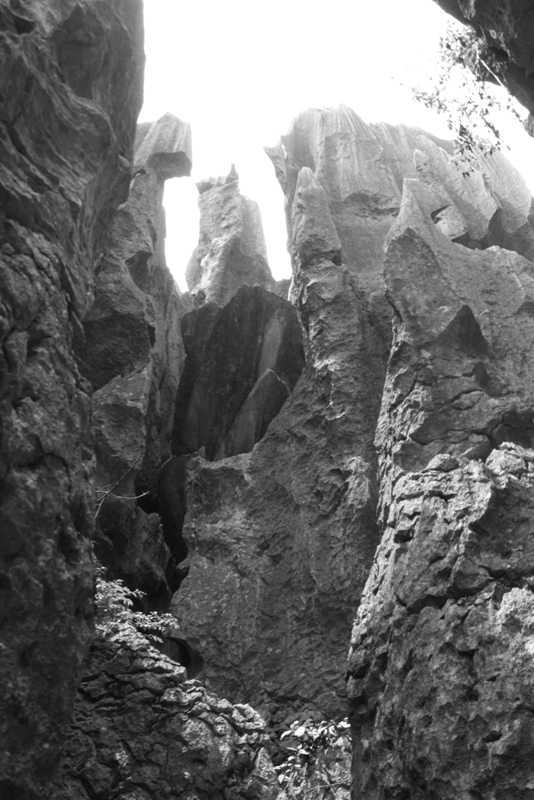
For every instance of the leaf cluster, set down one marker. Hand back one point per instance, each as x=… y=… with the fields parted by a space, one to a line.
x=115 y=615
x=462 y=89
x=305 y=742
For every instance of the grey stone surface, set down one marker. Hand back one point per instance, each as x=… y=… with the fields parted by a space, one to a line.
x=68 y=111
x=132 y=352
x=141 y=730
x=231 y=250
x=243 y=361
x=439 y=686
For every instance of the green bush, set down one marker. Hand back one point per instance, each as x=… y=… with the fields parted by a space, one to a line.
x=115 y=615
x=461 y=88
x=309 y=746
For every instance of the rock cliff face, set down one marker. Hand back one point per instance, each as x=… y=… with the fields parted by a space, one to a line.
x=132 y=353
x=141 y=730
x=507 y=31
x=280 y=540
x=440 y=668
x=71 y=77
x=243 y=362
x=381 y=421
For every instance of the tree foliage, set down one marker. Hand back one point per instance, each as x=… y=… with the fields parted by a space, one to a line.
x=115 y=615
x=304 y=770
x=463 y=89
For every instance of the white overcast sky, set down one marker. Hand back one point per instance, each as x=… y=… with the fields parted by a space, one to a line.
x=239 y=71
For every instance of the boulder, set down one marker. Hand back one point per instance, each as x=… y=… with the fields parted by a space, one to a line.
x=67 y=125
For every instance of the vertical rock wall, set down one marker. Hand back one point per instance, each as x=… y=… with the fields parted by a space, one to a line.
x=441 y=666
x=243 y=362
x=281 y=539
x=71 y=78
x=132 y=353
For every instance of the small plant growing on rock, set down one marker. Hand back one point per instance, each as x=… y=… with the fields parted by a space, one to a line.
x=115 y=615
x=462 y=89
x=318 y=760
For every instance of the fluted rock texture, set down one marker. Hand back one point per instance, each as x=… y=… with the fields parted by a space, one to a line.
x=441 y=668
x=231 y=248
x=243 y=362
x=71 y=77
x=507 y=32
x=132 y=353
x=141 y=730
x=281 y=539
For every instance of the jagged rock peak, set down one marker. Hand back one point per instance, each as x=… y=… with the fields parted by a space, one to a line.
x=366 y=165
x=231 y=251
x=296 y=514
x=208 y=183
x=165 y=146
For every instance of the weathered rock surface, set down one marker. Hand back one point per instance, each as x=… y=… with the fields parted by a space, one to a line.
x=441 y=669
x=362 y=168
x=507 y=30
x=242 y=363
x=71 y=78
x=280 y=539
x=141 y=730
x=231 y=250
x=132 y=353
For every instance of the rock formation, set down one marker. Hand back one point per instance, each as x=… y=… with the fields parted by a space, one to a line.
x=242 y=364
x=133 y=701
x=132 y=353
x=141 y=730
x=441 y=684
x=257 y=458
x=71 y=77
x=280 y=540
x=231 y=249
